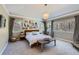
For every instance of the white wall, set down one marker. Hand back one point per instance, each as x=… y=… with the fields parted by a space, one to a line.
x=3 y=31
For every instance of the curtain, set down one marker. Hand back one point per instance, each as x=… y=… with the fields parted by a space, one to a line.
x=76 y=30
x=45 y=27
x=11 y=23
x=52 y=32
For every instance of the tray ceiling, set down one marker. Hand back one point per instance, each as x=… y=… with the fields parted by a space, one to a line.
x=35 y=10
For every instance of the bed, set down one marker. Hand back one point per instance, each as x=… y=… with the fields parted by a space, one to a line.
x=36 y=39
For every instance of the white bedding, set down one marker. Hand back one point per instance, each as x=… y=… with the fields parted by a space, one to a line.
x=34 y=38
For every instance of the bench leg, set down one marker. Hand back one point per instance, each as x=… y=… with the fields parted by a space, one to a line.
x=42 y=47
x=54 y=42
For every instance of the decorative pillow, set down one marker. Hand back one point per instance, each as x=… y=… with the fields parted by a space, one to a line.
x=35 y=33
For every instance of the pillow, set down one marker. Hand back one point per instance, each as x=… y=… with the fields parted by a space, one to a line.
x=32 y=33
x=28 y=33
x=35 y=33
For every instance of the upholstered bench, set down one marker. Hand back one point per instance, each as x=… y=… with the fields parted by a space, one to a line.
x=43 y=42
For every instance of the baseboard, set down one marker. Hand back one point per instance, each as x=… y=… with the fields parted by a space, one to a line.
x=4 y=47
x=64 y=40
x=76 y=46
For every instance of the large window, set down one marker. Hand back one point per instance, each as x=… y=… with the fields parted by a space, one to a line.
x=17 y=26
x=66 y=25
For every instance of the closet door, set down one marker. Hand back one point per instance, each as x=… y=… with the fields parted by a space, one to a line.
x=11 y=23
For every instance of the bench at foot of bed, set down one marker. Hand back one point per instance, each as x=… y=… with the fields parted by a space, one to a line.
x=41 y=44
x=37 y=44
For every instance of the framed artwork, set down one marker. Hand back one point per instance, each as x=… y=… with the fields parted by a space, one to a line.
x=30 y=24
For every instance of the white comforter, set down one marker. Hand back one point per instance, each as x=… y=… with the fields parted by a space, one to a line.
x=34 y=38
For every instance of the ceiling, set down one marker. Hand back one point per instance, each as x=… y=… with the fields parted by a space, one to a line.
x=36 y=10
x=32 y=10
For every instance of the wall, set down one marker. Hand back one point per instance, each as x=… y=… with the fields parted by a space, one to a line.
x=3 y=31
x=64 y=28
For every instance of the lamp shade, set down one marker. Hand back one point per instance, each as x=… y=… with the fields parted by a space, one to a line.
x=45 y=16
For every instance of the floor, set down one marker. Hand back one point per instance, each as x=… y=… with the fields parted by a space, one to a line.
x=22 y=48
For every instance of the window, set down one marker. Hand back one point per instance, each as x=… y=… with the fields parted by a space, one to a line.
x=2 y=21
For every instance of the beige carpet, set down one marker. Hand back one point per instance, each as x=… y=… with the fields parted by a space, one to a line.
x=22 y=48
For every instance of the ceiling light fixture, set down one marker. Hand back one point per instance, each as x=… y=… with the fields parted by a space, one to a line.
x=45 y=16
x=45 y=4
